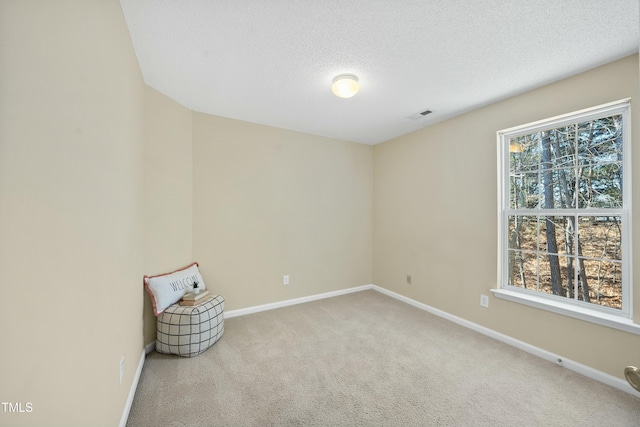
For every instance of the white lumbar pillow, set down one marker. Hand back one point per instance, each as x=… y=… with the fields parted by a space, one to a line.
x=168 y=288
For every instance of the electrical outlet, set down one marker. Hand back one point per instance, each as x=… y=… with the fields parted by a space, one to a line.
x=285 y=279
x=484 y=300
x=121 y=369
x=408 y=279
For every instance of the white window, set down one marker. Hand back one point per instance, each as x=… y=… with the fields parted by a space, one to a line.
x=564 y=195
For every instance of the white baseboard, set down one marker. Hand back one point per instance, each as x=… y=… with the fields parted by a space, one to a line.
x=587 y=371
x=132 y=391
x=150 y=347
x=272 y=306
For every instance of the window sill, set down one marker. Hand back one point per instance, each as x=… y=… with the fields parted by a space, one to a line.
x=593 y=316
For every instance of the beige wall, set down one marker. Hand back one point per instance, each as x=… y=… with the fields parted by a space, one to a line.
x=71 y=211
x=168 y=183
x=269 y=202
x=435 y=217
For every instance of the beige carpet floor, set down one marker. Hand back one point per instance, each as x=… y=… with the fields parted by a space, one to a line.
x=365 y=359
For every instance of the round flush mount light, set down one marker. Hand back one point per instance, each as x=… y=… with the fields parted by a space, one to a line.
x=345 y=85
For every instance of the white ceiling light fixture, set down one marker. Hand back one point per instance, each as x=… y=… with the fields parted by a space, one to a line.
x=345 y=85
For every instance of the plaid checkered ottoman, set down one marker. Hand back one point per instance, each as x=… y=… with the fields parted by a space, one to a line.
x=188 y=331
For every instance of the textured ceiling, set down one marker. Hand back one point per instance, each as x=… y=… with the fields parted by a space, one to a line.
x=272 y=62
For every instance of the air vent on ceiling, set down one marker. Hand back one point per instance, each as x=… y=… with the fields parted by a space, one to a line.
x=419 y=115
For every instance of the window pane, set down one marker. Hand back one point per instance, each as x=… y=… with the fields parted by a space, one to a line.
x=562 y=145
x=604 y=281
x=523 y=232
x=600 y=185
x=522 y=270
x=553 y=274
x=601 y=237
x=557 y=234
x=524 y=154
x=601 y=139
x=558 y=187
x=523 y=191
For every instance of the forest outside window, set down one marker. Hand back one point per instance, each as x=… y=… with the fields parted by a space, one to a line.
x=564 y=211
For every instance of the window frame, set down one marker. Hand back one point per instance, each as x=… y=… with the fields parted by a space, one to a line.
x=619 y=319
